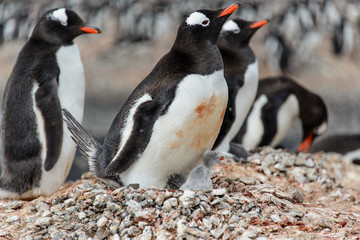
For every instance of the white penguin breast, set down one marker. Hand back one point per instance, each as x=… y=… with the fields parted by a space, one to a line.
x=255 y=127
x=71 y=94
x=180 y=137
x=243 y=102
x=286 y=116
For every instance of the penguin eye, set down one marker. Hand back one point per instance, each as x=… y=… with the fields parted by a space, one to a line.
x=205 y=23
x=197 y=18
x=236 y=31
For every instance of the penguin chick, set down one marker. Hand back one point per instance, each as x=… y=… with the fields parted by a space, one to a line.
x=200 y=177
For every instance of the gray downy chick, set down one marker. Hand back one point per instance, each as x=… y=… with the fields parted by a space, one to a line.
x=200 y=177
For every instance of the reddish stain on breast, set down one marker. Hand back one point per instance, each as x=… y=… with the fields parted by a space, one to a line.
x=176 y=143
x=206 y=125
x=206 y=108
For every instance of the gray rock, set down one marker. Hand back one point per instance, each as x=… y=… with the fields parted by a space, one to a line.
x=101 y=222
x=219 y=192
x=133 y=206
x=12 y=218
x=217 y=233
x=296 y=195
x=248 y=180
x=170 y=203
x=40 y=207
x=69 y=202
x=43 y=222
x=113 y=207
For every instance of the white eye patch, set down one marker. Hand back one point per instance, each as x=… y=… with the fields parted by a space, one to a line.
x=197 y=18
x=230 y=26
x=60 y=16
x=321 y=129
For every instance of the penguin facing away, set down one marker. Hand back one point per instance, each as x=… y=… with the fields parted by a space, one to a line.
x=200 y=177
x=37 y=151
x=241 y=74
x=279 y=102
x=172 y=117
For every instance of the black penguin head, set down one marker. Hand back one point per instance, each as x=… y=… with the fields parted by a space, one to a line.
x=238 y=32
x=202 y=27
x=60 y=26
x=314 y=121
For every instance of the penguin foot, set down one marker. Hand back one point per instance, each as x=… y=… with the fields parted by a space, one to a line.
x=175 y=181
x=112 y=181
x=239 y=152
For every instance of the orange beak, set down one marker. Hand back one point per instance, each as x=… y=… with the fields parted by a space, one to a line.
x=90 y=30
x=259 y=24
x=229 y=10
x=305 y=145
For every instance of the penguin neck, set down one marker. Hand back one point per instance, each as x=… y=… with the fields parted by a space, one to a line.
x=42 y=45
x=202 y=57
x=237 y=59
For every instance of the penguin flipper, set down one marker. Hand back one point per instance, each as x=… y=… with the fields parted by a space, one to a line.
x=145 y=117
x=268 y=116
x=48 y=102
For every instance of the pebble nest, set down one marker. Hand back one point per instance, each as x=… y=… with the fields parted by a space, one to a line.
x=275 y=194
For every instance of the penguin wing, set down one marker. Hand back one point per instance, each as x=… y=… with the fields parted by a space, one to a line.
x=144 y=119
x=268 y=117
x=47 y=101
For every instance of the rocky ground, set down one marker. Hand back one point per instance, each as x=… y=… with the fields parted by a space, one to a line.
x=275 y=195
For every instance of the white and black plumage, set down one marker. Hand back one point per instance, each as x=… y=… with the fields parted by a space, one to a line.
x=172 y=117
x=37 y=151
x=200 y=177
x=241 y=74
x=279 y=102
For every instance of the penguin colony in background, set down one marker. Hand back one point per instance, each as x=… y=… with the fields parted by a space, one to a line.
x=195 y=99
x=37 y=151
x=297 y=28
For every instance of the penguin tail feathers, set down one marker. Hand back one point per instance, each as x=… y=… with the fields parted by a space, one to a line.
x=85 y=143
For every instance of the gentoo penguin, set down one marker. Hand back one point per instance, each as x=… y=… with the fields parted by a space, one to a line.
x=200 y=177
x=279 y=102
x=241 y=74
x=345 y=144
x=172 y=117
x=37 y=151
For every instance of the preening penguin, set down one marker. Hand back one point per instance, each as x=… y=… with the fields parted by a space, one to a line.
x=279 y=102
x=241 y=74
x=172 y=117
x=37 y=151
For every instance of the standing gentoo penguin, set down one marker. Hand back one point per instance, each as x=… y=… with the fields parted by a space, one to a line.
x=279 y=102
x=241 y=74
x=172 y=117
x=37 y=151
